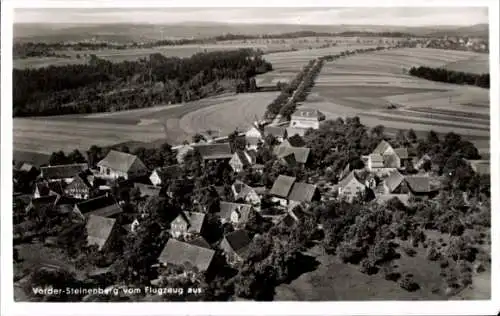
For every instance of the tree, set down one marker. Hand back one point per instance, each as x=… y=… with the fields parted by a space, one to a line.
x=432 y=137
x=378 y=131
x=76 y=157
x=94 y=154
x=198 y=138
x=401 y=138
x=58 y=158
x=412 y=136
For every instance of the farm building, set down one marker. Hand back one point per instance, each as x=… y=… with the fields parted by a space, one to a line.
x=419 y=185
x=118 y=164
x=44 y=188
x=235 y=246
x=306 y=118
x=187 y=223
x=244 y=192
x=160 y=176
x=393 y=183
x=243 y=159
x=385 y=156
x=178 y=253
x=285 y=189
x=214 y=151
x=290 y=155
x=80 y=187
x=104 y=205
x=102 y=231
x=147 y=189
x=253 y=138
x=62 y=172
x=277 y=132
x=235 y=213
x=350 y=187
x=200 y=242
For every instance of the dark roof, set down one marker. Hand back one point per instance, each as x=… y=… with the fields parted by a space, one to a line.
x=247 y=157
x=37 y=159
x=300 y=154
x=402 y=153
x=239 y=241
x=307 y=112
x=394 y=180
x=214 y=151
x=282 y=186
x=147 y=189
x=276 y=131
x=169 y=172
x=419 y=184
x=104 y=205
x=201 y=242
x=227 y=208
x=178 y=252
x=44 y=187
x=63 y=171
x=253 y=140
x=118 y=160
x=99 y=229
x=302 y=192
x=49 y=200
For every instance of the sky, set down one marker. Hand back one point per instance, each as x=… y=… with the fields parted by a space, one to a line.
x=414 y=16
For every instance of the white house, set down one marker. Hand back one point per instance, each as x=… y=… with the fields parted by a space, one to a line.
x=306 y=118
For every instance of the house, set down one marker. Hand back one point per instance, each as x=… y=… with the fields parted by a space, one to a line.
x=178 y=253
x=295 y=131
x=201 y=242
x=102 y=231
x=277 y=132
x=237 y=214
x=147 y=189
x=236 y=245
x=290 y=154
x=118 y=164
x=244 y=192
x=253 y=138
x=418 y=185
x=285 y=189
x=295 y=214
x=160 y=176
x=420 y=163
x=62 y=172
x=215 y=151
x=306 y=118
x=242 y=159
x=350 y=187
x=80 y=187
x=44 y=188
x=481 y=167
x=49 y=201
x=385 y=156
x=393 y=183
x=104 y=205
x=187 y=223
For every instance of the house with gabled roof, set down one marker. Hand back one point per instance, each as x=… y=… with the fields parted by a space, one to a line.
x=62 y=172
x=80 y=187
x=179 y=254
x=118 y=164
x=214 y=151
x=290 y=154
x=286 y=189
x=236 y=245
x=200 y=242
x=160 y=176
x=102 y=231
x=244 y=192
x=351 y=187
x=277 y=132
x=394 y=183
x=306 y=118
x=242 y=159
x=187 y=224
x=419 y=185
x=237 y=214
x=419 y=163
x=44 y=188
x=104 y=205
x=385 y=156
x=253 y=137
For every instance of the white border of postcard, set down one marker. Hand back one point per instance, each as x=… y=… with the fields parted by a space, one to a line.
x=490 y=307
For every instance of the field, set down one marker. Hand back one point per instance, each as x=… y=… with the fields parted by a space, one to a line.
x=222 y=113
x=365 y=85
x=118 y=55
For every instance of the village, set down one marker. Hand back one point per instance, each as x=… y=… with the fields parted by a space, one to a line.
x=203 y=207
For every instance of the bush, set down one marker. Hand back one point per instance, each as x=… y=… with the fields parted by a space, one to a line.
x=410 y=251
x=368 y=266
x=408 y=283
x=444 y=263
x=433 y=254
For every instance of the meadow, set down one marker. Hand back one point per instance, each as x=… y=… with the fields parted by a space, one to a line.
x=222 y=113
x=366 y=85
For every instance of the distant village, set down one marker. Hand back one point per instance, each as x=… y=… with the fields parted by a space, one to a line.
x=208 y=202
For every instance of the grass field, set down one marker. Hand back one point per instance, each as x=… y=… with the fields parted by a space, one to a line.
x=365 y=85
x=223 y=113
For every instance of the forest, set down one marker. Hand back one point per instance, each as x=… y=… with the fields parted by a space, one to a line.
x=102 y=86
x=450 y=76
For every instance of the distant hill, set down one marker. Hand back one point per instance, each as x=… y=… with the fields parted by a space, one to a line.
x=149 y=32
